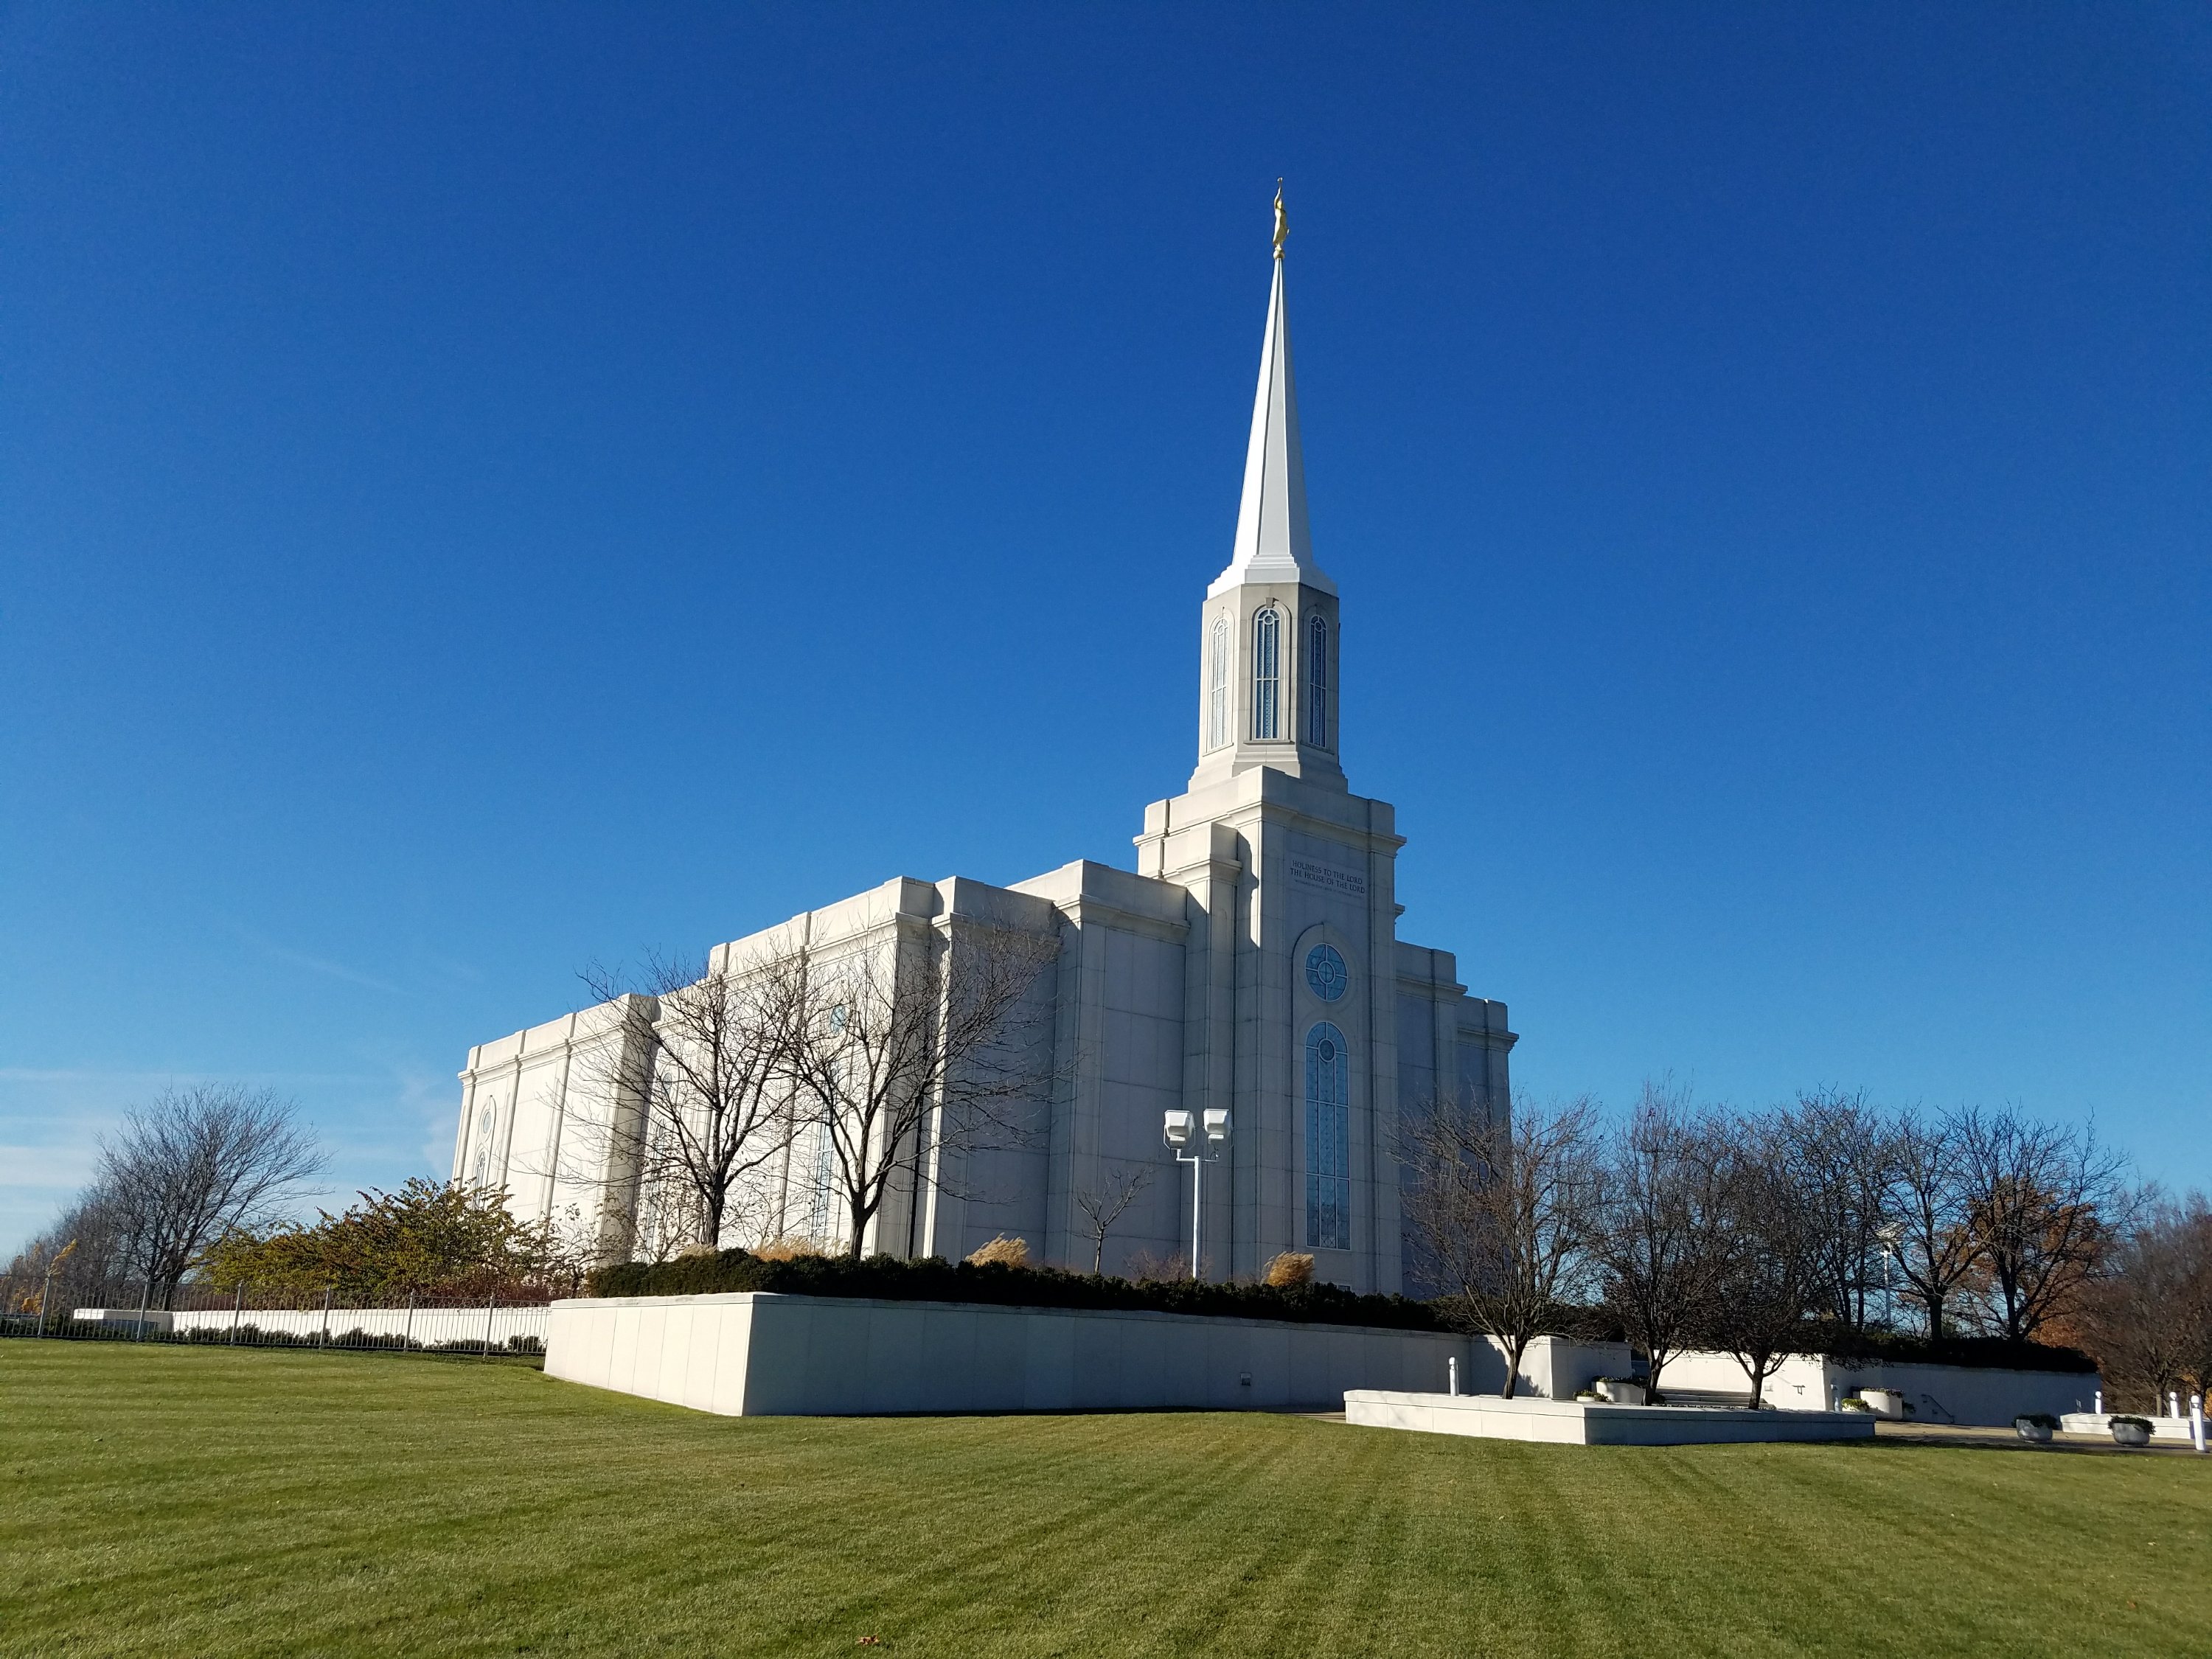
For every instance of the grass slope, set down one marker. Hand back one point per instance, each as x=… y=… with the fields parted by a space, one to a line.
x=164 y=1501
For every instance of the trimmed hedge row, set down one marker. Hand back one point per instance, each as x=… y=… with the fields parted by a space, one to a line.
x=934 y=1279
x=1976 y=1352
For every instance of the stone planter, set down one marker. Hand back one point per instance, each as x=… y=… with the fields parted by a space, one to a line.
x=1885 y=1403
x=2035 y=1432
x=1621 y=1393
x=2129 y=1434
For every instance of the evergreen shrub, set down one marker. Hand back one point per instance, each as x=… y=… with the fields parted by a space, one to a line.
x=933 y=1278
x=1976 y=1352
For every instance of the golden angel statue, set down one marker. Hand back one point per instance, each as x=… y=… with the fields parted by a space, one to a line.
x=1282 y=221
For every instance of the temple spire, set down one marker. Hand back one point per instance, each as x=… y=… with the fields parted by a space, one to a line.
x=1272 y=544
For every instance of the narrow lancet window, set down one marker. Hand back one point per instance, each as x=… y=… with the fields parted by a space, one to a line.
x=1217 y=684
x=1318 y=682
x=1328 y=1140
x=1267 y=673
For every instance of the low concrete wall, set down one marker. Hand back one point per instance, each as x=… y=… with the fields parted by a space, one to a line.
x=154 y=1322
x=750 y=1353
x=1559 y=1368
x=1568 y=1422
x=426 y=1326
x=1939 y=1394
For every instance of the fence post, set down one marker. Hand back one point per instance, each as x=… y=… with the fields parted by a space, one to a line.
x=407 y=1336
x=325 y=1341
x=44 y=1297
x=145 y=1301
x=491 y=1300
x=237 y=1310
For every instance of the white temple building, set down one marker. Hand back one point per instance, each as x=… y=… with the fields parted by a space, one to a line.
x=1250 y=964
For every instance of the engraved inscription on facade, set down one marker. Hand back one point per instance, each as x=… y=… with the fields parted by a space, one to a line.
x=1328 y=877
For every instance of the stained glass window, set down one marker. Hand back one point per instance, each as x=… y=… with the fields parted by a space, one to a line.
x=1267 y=673
x=1318 y=682
x=1325 y=974
x=1328 y=1140
x=1217 y=684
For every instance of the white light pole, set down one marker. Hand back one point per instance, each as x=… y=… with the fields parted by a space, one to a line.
x=1890 y=1237
x=1181 y=1130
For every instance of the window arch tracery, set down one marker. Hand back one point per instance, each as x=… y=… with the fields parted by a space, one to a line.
x=1217 y=684
x=1317 y=682
x=1267 y=673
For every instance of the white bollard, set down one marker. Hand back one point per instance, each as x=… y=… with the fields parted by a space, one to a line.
x=1451 y=1374
x=2100 y=1407
x=2197 y=1420
x=2173 y=1404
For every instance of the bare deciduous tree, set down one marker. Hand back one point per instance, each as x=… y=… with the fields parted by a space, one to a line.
x=1781 y=1245
x=196 y=1164
x=1500 y=1211
x=1844 y=1158
x=1661 y=1242
x=2040 y=1200
x=906 y=1062
x=1102 y=1205
x=1937 y=1250
x=714 y=1040
x=2149 y=1321
x=87 y=1250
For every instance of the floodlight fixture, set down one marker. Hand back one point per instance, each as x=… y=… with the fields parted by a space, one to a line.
x=1180 y=1130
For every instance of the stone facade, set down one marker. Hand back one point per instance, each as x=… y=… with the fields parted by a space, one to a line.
x=1251 y=964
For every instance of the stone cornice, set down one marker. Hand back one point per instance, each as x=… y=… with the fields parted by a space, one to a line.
x=1083 y=912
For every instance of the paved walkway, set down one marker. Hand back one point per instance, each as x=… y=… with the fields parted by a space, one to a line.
x=1944 y=1434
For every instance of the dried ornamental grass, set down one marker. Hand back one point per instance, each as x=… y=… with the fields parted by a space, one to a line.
x=1007 y=1252
x=1290 y=1268
x=789 y=1249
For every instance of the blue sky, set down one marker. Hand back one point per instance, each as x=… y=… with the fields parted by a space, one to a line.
x=487 y=489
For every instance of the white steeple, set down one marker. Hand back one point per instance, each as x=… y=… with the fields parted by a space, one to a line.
x=1269 y=670
x=1272 y=544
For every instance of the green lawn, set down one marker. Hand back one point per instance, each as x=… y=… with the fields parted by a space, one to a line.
x=175 y=1501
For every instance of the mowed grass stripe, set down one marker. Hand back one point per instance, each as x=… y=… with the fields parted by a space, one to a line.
x=166 y=1501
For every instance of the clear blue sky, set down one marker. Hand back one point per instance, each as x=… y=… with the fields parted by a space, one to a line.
x=487 y=488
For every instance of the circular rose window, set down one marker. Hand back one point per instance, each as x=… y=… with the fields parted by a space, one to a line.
x=1326 y=973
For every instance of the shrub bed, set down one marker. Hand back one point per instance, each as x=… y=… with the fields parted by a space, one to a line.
x=934 y=1279
x=1975 y=1352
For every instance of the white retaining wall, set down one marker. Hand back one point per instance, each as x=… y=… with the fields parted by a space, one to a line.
x=1568 y=1422
x=750 y=1353
x=1939 y=1394
x=1558 y=1368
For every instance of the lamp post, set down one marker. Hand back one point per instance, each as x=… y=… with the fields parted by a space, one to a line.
x=1182 y=1129
x=1891 y=1237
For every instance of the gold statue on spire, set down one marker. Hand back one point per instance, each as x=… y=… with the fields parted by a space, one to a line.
x=1282 y=221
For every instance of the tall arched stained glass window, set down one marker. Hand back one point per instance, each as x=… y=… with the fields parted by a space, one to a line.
x=1318 y=682
x=1328 y=1140
x=1267 y=674
x=1217 y=684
